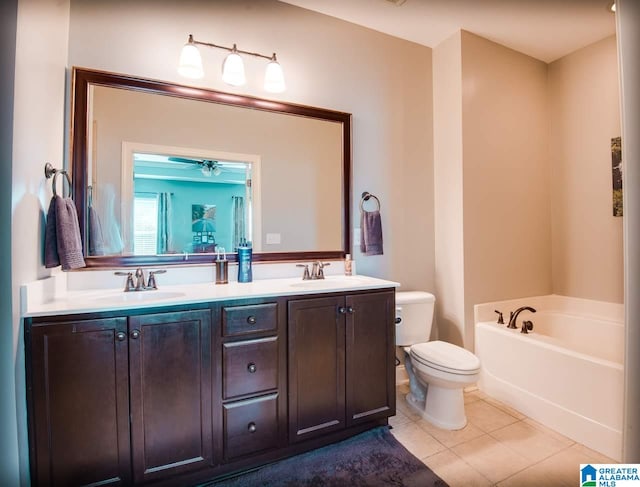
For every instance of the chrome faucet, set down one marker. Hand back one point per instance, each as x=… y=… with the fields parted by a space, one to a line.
x=514 y=315
x=317 y=269
x=140 y=284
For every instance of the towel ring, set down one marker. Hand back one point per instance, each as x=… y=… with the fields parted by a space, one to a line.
x=49 y=171
x=365 y=197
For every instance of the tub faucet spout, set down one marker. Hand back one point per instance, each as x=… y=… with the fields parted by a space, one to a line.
x=514 y=315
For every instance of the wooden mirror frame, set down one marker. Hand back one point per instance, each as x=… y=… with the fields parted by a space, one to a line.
x=83 y=78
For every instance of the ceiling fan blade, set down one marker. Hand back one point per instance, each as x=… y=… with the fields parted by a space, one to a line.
x=184 y=159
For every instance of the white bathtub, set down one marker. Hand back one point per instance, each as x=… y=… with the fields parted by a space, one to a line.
x=567 y=373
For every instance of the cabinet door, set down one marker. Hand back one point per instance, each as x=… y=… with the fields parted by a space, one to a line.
x=79 y=402
x=370 y=356
x=316 y=367
x=170 y=368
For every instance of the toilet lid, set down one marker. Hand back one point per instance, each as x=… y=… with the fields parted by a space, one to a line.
x=446 y=357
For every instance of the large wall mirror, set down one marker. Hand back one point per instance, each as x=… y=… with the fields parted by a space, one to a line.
x=171 y=174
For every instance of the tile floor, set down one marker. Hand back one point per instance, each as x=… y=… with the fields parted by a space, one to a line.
x=498 y=447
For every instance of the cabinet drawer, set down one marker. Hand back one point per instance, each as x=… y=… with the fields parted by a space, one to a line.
x=250 y=426
x=249 y=367
x=240 y=320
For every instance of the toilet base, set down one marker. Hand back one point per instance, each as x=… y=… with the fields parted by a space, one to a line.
x=444 y=407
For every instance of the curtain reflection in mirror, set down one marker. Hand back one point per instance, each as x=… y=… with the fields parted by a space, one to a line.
x=237 y=219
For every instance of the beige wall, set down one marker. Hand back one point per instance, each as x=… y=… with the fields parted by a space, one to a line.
x=491 y=179
x=383 y=81
x=448 y=177
x=38 y=137
x=507 y=231
x=585 y=115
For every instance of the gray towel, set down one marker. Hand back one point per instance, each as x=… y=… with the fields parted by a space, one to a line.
x=371 y=233
x=96 y=239
x=68 y=234
x=51 y=258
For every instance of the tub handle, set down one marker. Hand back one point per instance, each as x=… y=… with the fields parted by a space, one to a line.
x=527 y=326
x=500 y=318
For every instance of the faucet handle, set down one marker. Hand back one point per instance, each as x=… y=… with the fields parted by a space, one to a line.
x=321 y=266
x=527 y=326
x=500 y=318
x=151 y=284
x=305 y=274
x=140 y=285
x=129 y=286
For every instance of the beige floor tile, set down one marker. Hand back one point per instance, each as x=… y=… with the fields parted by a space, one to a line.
x=530 y=442
x=420 y=443
x=591 y=455
x=547 y=431
x=455 y=471
x=399 y=418
x=451 y=438
x=561 y=469
x=404 y=408
x=487 y=417
x=504 y=407
x=473 y=396
x=491 y=458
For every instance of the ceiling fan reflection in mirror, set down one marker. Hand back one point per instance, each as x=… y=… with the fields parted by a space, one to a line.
x=208 y=167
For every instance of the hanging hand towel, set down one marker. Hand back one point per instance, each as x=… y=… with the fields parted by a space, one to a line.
x=96 y=238
x=68 y=235
x=51 y=258
x=371 y=232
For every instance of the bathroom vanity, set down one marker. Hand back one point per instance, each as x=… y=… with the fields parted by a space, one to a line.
x=204 y=380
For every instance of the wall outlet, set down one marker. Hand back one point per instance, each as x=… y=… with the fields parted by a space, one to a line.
x=273 y=238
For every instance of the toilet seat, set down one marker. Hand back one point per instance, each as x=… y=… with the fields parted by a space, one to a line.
x=445 y=357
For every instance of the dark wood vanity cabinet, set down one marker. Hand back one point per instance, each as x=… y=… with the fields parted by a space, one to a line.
x=341 y=362
x=177 y=396
x=118 y=401
x=78 y=383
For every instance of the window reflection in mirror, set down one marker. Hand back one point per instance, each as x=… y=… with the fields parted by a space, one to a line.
x=188 y=204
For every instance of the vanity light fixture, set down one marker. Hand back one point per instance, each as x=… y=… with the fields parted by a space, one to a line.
x=190 y=66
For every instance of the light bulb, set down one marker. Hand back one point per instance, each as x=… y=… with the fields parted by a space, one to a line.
x=233 y=70
x=190 y=64
x=274 y=77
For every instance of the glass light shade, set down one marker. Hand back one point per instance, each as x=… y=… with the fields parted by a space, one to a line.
x=190 y=65
x=216 y=170
x=206 y=171
x=274 y=78
x=233 y=70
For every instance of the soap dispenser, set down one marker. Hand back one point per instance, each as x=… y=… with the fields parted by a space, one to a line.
x=245 y=256
x=222 y=266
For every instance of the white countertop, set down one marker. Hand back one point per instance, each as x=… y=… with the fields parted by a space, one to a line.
x=75 y=302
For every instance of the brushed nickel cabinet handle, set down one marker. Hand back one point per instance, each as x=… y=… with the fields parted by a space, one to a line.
x=252 y=427
x=135 y=334
x=252 y=368
x=252 y=320
x=121 y=336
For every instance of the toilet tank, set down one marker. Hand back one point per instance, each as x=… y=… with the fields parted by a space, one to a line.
x=414 y=317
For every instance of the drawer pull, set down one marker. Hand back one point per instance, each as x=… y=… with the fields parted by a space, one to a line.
x=252 y=320
x=252 y=427
x=135 y=334
x=252 y=368
x=120 y=336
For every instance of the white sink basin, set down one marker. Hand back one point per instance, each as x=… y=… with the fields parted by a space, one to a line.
x=332 y=281
x=140 y=296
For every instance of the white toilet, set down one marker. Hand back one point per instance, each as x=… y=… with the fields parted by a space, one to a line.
x=438 y=371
